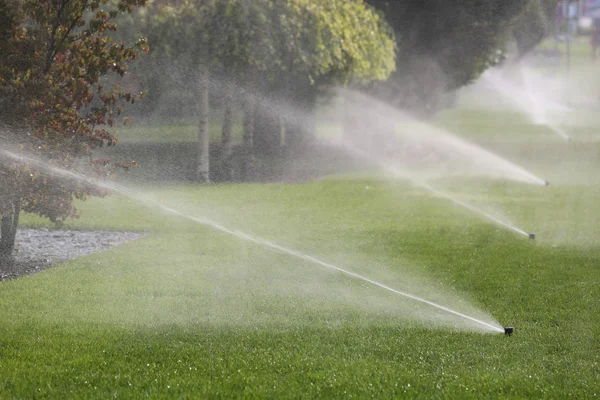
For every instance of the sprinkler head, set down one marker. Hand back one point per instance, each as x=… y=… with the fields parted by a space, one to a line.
x=546 y=183
x=532 y=236
x=509 y=330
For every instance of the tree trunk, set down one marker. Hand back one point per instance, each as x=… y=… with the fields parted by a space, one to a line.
x=8 y=231
x=154 y=92
x=349 y=119
x=246 y=157
x=226 y=137
x=301 y=129
x=267 y=131
x=248 y=128
x=202 y=165
x=357 y=130
x=309 y=129
x=293 y=133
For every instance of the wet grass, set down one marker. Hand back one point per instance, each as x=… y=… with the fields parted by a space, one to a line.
x=192 y=312
x=182 y=132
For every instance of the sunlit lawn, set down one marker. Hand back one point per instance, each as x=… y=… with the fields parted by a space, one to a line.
x=189 y=311
x=183 y=132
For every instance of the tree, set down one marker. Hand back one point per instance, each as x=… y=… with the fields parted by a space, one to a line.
x=269 y=49
x=325 y=43
x=443 y=45
x=534 y=24
x=180 y=33
x=54 y=104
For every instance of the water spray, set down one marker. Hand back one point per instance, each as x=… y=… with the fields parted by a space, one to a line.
x=317 y=261
x=438 y=193
x=207 y=222
x=536 y=107
x=381 y=136
x=469 y=207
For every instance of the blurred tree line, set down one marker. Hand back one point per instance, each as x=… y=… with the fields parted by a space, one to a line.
x=272 y=59
x=267 y=58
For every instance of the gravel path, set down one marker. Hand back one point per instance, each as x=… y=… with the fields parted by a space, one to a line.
x=38 y=249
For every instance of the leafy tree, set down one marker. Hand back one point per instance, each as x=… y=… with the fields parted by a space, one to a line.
x=53 y=101
x=332 y=42
x=534 y=24
x=443 y=45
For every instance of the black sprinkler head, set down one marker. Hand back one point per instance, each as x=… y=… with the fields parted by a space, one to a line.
x=509 y=330
x=532 y=236
x=546 y=183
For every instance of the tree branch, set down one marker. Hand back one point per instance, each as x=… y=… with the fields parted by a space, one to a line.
x=73 y=24
x=52 y=49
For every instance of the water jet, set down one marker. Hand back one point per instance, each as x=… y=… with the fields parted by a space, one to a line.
x=386 y=132
x=398 y=172
x=381 y=141
x=538 y=104
x=141 y=198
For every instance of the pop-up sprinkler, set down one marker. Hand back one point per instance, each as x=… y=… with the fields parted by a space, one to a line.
x=509 y=330
x=532 y=236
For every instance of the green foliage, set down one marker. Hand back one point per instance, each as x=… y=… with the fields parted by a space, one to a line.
x=443 y=45
x=534 y=24
x=52 y=102
x=271 y=39
x=343 y=37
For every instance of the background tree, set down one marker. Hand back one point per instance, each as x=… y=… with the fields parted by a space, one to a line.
x=534 y=25
x=443 y=45
x=267 y=53
x=324 y=43
x=53 y=103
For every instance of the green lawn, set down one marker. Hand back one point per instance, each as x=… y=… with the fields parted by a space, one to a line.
x=184 y=132
x=189 y=311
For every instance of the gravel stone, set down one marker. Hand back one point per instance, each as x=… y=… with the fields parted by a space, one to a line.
x=39 y=249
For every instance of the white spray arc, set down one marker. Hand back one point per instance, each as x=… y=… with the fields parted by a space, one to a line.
x=388 y=167
x=382 y=131
x=396 y=150
x=529 y=98
x=490 y=327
